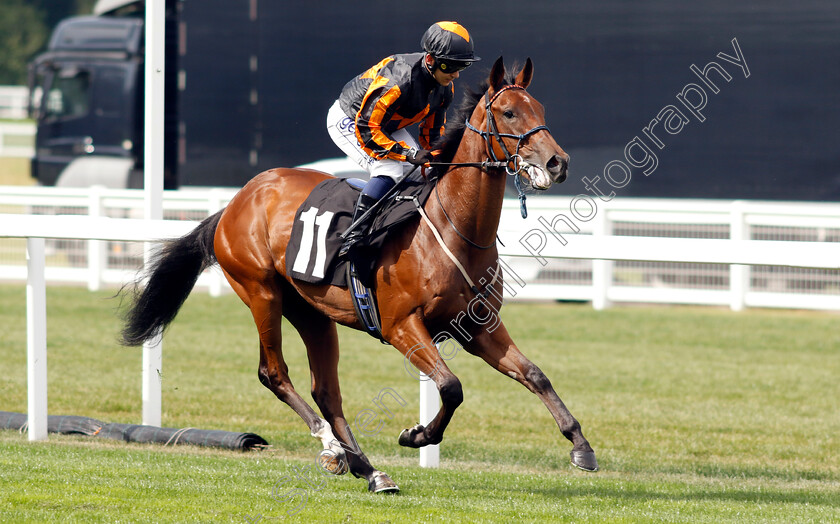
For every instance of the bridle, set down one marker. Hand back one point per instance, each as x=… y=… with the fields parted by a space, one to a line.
x=513 y=164
x=493 y=131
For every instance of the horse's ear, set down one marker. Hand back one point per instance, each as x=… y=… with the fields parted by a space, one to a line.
x=497 y=74
x=524 y=77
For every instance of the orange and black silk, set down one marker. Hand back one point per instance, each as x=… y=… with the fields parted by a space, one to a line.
x=395 y=93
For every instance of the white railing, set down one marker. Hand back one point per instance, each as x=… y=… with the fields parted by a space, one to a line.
x=99 y=263
x=548 y=240
x=628 y=250
x=17 y=139
x=710 y=252
x=35 y=229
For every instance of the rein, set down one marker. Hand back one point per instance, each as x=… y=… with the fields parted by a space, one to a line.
x=451 y=223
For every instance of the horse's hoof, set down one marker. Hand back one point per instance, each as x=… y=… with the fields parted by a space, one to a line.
x=584 y=460
x=408 y=436
x=382 y=483
x=333 y=462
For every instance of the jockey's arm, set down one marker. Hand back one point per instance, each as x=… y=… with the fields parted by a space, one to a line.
x=377 y=109
x=433 y=125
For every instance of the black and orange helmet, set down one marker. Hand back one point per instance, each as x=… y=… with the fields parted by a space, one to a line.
x=450 y=45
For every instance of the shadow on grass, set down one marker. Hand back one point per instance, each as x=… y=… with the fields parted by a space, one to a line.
x=696 y=493
x=726 y=485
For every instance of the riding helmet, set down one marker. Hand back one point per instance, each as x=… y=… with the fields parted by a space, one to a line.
x=449 y=41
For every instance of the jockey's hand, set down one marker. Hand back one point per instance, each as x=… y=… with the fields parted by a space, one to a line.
x=419 y=157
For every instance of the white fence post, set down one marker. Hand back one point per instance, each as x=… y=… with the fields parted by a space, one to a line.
x=602 y=270
x=153 y=185
x=429 y=407
x=36 y=336
x=739 y=274
x=152 y=365
x=97 y=251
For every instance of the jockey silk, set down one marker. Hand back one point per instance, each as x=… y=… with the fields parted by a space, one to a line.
x=393 y=94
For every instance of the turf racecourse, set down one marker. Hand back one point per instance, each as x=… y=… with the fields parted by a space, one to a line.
x=697 y=415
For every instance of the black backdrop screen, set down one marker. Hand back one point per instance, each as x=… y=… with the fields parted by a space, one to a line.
x=258 y=87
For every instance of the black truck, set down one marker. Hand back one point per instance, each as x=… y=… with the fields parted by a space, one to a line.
x=90 y=83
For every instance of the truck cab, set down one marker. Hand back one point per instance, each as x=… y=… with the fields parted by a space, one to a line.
x=87 y=100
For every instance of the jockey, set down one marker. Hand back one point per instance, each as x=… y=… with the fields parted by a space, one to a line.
x=368 y=120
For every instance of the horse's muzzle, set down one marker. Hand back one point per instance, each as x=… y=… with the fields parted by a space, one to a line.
x=558 y=166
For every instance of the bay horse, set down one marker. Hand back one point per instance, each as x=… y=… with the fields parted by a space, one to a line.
x=418 y=287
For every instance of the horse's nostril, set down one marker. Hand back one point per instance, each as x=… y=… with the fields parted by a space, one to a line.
x=556 y=164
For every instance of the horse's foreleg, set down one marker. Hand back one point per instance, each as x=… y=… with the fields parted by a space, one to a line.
x=498 y=350
x=412 y=339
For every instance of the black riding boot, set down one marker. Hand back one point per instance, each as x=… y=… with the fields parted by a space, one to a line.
x=362 y=205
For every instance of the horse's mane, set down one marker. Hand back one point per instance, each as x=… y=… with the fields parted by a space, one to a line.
x=456 y=125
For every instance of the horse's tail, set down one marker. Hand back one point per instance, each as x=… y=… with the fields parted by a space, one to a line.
x=171 y=273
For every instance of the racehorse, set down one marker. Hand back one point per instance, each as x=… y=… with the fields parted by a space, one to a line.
x=418 y=286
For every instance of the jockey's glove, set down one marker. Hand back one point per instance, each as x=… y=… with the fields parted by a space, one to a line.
x=419 y=157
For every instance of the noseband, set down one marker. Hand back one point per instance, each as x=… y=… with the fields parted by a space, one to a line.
x=513 y=163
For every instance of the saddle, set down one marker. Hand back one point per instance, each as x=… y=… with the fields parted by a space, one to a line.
x=312 y=252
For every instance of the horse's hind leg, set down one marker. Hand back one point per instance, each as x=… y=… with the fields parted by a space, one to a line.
x=267 y=308
x=498 y=350
x=321 y=339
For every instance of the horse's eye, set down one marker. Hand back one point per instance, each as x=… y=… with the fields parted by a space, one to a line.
x=508 y=114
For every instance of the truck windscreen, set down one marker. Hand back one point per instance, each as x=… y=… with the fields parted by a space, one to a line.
x=69 y=96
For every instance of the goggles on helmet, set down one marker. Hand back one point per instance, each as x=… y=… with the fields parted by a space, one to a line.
x=450 y=67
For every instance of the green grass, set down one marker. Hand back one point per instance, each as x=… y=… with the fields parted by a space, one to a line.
x=697 y=415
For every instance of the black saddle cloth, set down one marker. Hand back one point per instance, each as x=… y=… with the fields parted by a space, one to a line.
x=311 y=255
